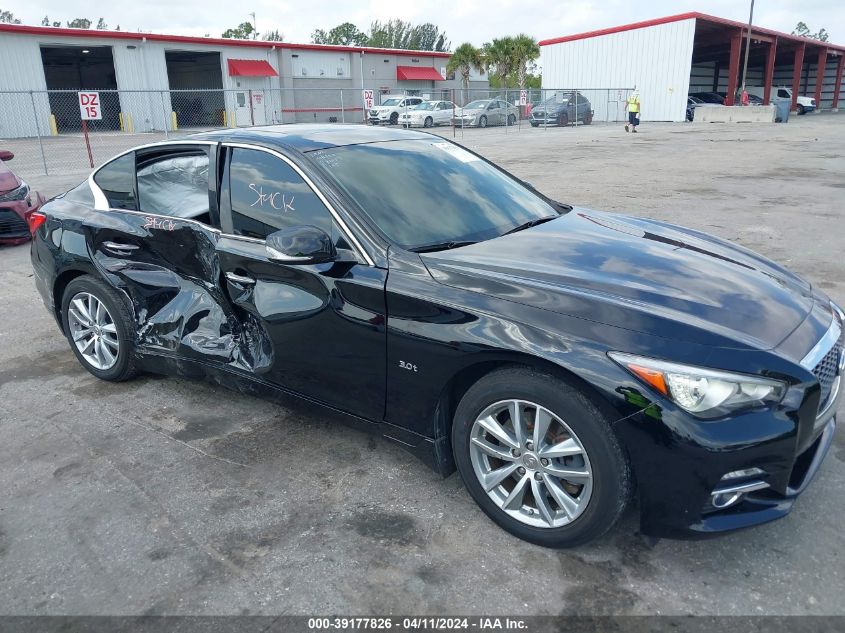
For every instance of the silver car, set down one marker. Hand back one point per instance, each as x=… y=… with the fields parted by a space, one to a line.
x=484 y=112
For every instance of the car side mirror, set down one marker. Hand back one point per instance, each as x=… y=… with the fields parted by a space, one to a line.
x=300 y=245
x=6 y=155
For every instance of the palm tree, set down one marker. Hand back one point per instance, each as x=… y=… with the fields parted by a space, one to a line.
x=499 y=53
x=524 y=49
x=465 y=58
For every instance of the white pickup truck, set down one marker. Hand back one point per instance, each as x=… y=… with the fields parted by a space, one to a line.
x=804 y=104
x=391 y=107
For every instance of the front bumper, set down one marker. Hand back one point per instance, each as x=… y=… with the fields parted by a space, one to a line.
x=687 y=469
x=13 y=219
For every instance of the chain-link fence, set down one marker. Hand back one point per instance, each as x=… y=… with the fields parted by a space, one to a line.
x=46 y=132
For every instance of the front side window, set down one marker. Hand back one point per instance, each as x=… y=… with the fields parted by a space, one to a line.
x=267 y=194
x=424 y=192
x=117 y=181
x=174 y=183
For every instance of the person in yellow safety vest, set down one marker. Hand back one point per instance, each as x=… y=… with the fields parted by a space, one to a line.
x=632 y=106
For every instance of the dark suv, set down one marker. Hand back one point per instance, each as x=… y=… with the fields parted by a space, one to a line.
x=563 y=108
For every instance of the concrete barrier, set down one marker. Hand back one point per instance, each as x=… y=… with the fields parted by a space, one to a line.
x=735 y=114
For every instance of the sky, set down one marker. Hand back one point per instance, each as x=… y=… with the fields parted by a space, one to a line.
x=476 y=21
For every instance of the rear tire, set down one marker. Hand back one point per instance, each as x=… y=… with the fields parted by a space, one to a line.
x=103 y=342
x=588 y=120
x=594 y=482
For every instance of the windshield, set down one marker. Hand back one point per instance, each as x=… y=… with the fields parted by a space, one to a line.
x=425 y=105
x=391 y=102
x=476 y=105
x=422 y=192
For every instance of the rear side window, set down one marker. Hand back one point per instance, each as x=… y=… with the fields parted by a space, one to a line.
x=117 y=180
x=175 y=184
x=267 y=194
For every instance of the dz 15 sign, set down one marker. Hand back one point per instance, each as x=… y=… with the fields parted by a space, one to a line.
x=89 y=106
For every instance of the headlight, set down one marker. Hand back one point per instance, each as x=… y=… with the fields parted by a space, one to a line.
x=19 y=193
x=704 y=392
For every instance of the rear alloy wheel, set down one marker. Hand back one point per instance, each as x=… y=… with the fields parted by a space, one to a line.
x=429 y=122
x=97 y=323
x=540 y=458
x=511 y=119
x=482 y=121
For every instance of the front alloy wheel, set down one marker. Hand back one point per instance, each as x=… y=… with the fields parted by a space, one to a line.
x=540 y=457
x=530 y=463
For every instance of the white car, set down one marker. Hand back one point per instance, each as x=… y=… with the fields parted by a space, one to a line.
x=391 y=107
x=803 y=104
x=428 y=114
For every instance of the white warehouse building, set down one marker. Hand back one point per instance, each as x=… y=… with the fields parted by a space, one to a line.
x=668 y=58
x=154 y=82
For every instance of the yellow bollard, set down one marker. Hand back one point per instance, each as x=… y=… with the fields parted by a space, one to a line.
x=129 y=126
x=233 y=121
x=120 y=118
x=54 y=129
x=173 y=121
x=224 y=119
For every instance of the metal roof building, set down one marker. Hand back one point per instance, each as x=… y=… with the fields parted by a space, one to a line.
x=200 y=81
x=668 y=58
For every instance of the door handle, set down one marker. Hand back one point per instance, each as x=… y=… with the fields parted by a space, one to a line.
x=240 y=279
x=116 y=248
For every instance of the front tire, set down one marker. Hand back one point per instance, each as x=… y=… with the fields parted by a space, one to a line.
x=482 y=121
x=99 y=325
x=800 y=109
x=540 y=458
x=429 y=122
x=563 y=120
x=511 y=119
x=394 y=118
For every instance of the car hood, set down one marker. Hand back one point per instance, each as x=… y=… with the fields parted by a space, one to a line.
x=636 y=274
x=8 y=180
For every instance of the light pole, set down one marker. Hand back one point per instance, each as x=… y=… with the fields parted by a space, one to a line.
x=254 y=26
x=747 y=46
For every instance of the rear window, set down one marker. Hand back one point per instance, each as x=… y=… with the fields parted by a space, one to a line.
x=117 y=180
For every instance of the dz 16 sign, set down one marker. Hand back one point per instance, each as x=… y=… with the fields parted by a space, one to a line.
x=368 y=98
x=89 y=106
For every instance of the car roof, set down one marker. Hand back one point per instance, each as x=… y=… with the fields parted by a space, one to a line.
x=306 y=137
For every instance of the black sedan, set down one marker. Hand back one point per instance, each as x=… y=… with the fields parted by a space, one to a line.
x=552 y=355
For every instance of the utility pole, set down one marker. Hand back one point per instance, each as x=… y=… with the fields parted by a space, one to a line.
x=747 y=46
x=255 y=26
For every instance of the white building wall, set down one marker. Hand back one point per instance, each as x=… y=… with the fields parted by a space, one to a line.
x=21 y=70
x=656 y=59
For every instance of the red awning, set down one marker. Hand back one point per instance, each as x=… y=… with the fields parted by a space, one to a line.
x=418 y=72
x=251 y=68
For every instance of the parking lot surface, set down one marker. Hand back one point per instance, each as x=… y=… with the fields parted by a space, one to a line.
x=165 y=496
